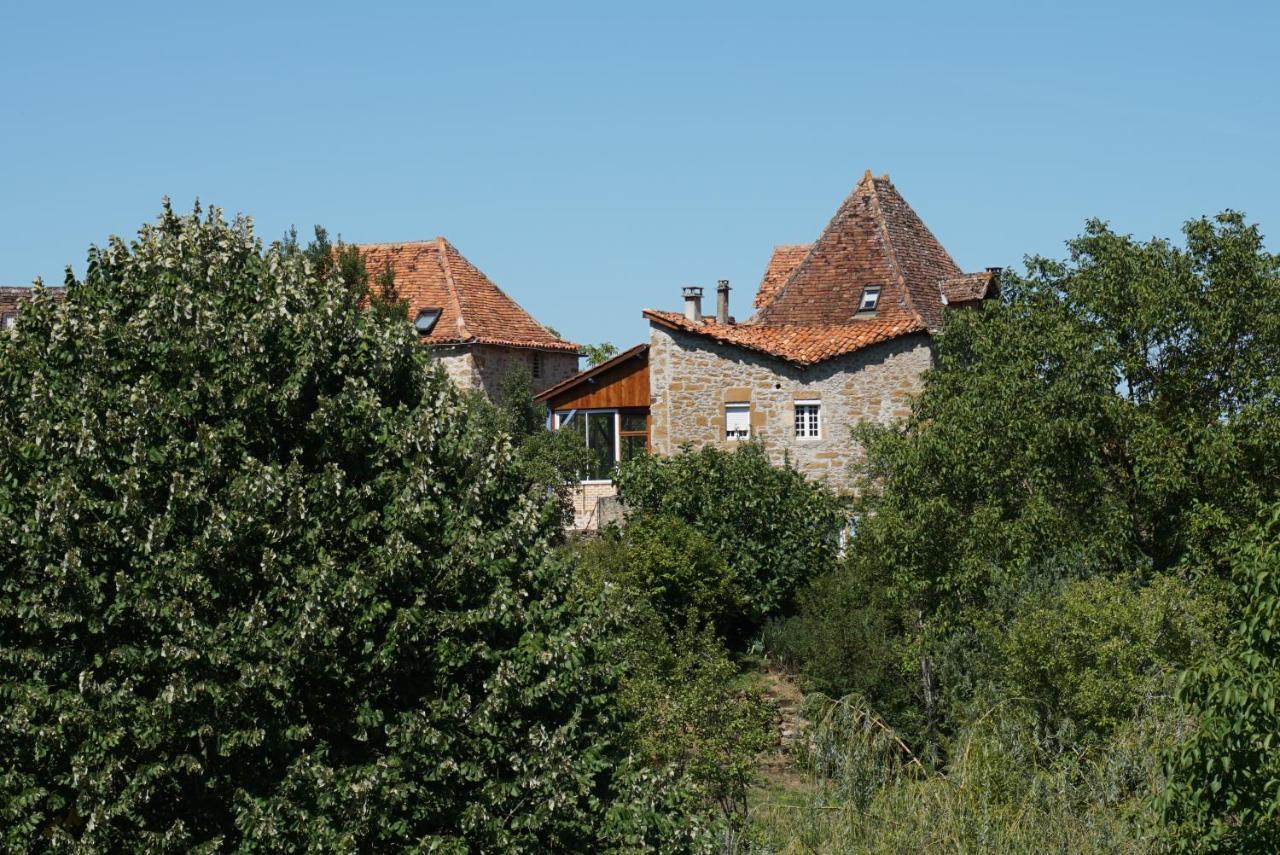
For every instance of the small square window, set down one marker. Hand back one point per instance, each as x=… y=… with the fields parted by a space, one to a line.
x=808 y=419
x=9 y=320
x=425 y=321
x=870 y=299
x=737 y=421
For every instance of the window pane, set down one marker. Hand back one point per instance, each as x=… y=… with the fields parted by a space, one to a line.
x=737 y=421
x=632 y=446
x=600 y=441
x=633 y=422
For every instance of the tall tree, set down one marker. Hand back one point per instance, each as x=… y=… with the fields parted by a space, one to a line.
x=1118 y=411
x=267 y=584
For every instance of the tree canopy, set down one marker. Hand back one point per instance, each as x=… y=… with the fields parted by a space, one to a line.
x=269 y=584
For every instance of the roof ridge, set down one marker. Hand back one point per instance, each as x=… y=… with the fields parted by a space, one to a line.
x=891 y=250
x=498 y=289
x=451 y=286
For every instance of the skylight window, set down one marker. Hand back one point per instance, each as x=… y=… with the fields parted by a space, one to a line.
x=870 y=299
x=426 y=321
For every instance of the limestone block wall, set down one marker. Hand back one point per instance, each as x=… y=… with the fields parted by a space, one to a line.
x=492 y=364
x=691 y=378
x=458 y=364
x=484 y=367
x=586 y=496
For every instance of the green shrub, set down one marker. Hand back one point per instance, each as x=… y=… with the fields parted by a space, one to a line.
x=845 y=637
x=774 y=527
x=1094 y=650
x=667 y=564
x=268 y=585
x=1223 y=793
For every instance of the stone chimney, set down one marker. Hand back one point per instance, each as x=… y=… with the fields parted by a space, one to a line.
x=722 y=302
x=693 y=303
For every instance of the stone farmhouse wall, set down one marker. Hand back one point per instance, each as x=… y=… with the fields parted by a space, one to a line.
x=484 y=367
x=693 y=377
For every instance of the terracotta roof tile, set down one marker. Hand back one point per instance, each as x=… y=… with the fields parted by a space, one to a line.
x=782 y=263
x=874 y=239
x=803 y=344
x=434 y=275
x=811 y=294
x=968 y=288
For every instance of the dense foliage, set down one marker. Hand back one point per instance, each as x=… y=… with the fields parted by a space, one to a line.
x=268 y=583
x=1223 y=793
x=773 y=527
x=1041 y=547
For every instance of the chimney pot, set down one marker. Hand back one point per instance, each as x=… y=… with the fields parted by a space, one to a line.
x=693 y=303
x=722 y=302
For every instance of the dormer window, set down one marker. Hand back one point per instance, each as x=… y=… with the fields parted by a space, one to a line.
x=870 y=299
x=426 y=321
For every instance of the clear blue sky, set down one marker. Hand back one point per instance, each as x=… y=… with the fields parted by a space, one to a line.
x=594 y=158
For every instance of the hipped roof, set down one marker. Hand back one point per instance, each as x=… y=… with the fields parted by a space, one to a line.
x=434 y=275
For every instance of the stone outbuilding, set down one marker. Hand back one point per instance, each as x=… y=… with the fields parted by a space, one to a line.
x=843 y=331
x=473 y=328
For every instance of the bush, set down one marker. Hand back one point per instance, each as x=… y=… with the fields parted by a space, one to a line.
x=268 y=585
x=774 y=527
x=1222 y=794
x=665 y=563
x=1097 y=648
x=846 y=638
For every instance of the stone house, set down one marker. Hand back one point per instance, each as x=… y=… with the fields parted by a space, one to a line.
x=472 y=327
x=843 y=331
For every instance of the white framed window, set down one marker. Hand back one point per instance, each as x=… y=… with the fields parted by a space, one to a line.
x=870 y=299
x=737 y=421
x=611 y=436
x=808 y=419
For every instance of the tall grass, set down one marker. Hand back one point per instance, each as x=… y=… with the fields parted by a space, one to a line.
x=1012 y=783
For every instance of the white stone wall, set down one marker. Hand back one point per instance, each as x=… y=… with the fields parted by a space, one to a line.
x=691 y=378
x=484 y=367
x=585 y=497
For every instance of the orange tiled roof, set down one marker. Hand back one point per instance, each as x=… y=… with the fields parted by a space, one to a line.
x=803 y=344
x=434 y=275
x=810 y=296
x=874 y=239
x=781 y=265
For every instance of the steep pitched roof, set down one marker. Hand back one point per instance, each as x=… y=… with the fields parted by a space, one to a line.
x=810 y=295
x=802 y=344
x=781 y=265
x=434 y=275
x=874 y=239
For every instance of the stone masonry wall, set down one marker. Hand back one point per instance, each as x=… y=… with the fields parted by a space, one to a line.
x=484 y=367
x=691 y=378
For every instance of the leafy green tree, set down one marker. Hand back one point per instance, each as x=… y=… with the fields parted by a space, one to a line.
x=1094 y=650
x=598 y=353
x=1116 y=412
x=1223 y=791
x=774 y=527
x=550 y=461
x=269 y=585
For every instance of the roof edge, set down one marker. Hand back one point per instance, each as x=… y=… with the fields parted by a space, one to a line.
x=593 y=371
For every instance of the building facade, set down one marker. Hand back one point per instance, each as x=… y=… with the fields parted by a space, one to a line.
x=842 y=335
